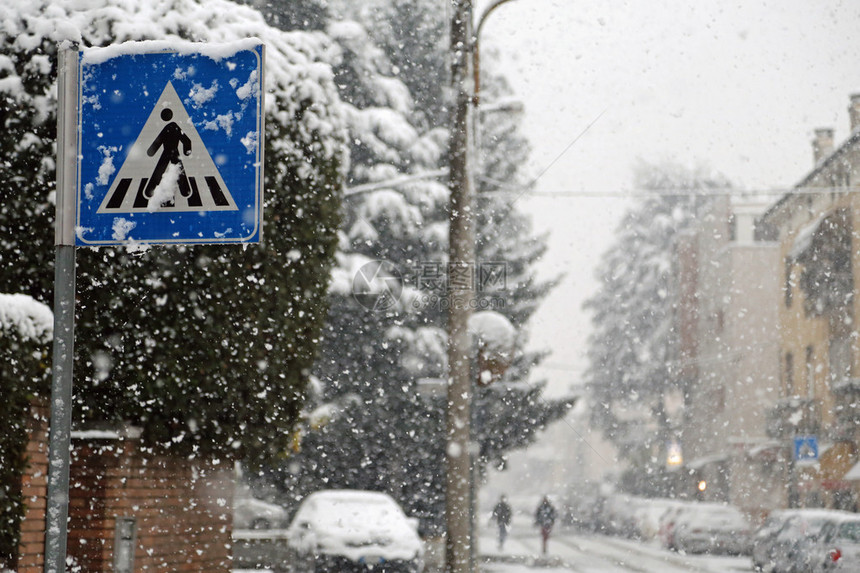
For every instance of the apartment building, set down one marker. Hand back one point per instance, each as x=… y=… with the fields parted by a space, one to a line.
x=818 y=411
x=727 y=316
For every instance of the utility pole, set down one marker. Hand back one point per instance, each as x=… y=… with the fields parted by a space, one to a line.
x=461 y=293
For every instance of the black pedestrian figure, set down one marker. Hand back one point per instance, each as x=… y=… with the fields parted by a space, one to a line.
x=502 y=516
x=545 y=519
x=169 y=139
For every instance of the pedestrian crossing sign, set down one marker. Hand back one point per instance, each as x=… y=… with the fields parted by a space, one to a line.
x=806 y=449
x=169 y=143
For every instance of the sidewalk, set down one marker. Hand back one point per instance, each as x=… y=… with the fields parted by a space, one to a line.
x=522 y=547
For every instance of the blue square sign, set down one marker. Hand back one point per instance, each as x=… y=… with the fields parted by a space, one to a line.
x=806 y=449
x=169 y=143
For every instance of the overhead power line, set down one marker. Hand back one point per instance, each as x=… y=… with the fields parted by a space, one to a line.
x=391 y=183
x=628 y=193
x=713 y=192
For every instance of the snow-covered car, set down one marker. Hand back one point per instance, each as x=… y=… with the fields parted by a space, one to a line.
x=647 y=517
x=713 y=529
x=764 y=539
x=839 y=546
x=251 y=513
x=668 y=519
x=795 y=546
x=618 y=518
x=351 y=530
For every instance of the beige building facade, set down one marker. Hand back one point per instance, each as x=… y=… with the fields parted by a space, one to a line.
x=816 y=227
x=730 y=348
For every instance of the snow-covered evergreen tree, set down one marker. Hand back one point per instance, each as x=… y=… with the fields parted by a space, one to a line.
x=26 y=331
x=369 y=431
x=633 y=350
x=303 y=15
x=373 y=429
x=167 y=336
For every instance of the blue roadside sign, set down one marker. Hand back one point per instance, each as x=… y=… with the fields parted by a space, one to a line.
x=806 y=449
x=170 y=144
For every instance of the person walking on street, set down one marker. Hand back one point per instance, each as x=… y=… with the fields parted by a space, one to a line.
x=545 y=519
x=502 y=515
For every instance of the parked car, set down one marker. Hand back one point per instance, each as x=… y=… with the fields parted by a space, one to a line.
x=667 y=524
x=839 y=546
x=764 y=540
x=617 y=518
x=251 y=513
x=351 y=530
x=713 y=529
x=795 y=545
x=647 y=517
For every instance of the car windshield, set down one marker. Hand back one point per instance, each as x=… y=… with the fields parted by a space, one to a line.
x=801 y=527
x=849 y=531
x=771 y=526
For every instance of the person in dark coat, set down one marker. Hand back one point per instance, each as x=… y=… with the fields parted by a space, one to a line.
x=545 y=518
x=502 y=515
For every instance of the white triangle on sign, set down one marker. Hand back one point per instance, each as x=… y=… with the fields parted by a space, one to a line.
x=168 y=168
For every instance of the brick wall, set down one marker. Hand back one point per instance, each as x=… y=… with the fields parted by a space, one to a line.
x=34 y=486
x=183 y=509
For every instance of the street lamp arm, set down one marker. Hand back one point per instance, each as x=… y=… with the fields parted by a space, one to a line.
x=476 y=55
x=483 y=18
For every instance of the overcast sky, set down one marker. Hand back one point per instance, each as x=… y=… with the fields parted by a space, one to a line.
x=738 y=88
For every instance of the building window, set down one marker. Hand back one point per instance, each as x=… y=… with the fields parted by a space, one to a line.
x=789 y=374
x=765 y=232
x=719 y=399
x=787 y=287
x=810 y=372
x=840 y=360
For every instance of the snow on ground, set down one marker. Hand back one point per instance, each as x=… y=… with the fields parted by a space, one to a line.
x=586 y=553
x=590 y=553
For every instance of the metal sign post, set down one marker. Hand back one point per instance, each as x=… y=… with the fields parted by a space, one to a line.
x=138 y=163
x=59 y=439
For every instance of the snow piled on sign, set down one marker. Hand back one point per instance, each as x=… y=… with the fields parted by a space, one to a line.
x=27 y=317
x=300 y=98
x=121 y=228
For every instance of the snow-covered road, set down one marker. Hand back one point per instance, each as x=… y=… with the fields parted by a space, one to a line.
x=585 y=553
